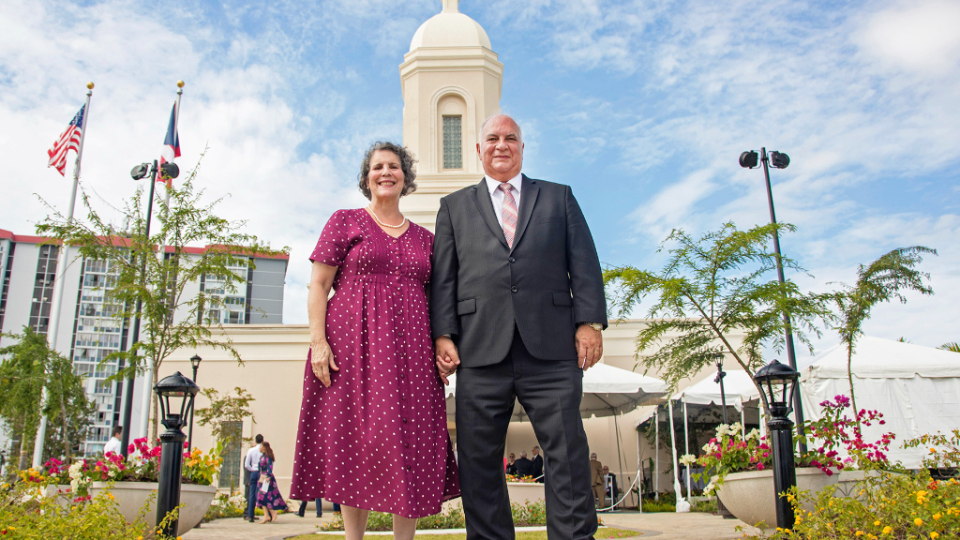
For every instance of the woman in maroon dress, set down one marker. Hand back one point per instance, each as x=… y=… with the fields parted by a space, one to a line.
x=373 y=427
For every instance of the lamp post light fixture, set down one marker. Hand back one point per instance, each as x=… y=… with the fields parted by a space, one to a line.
x=779 y=384
x=779 y=160
x=141 y=171
x=718 y=356
x=176 y=394
x=195 y=362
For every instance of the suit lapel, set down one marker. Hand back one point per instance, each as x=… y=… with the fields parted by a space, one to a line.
x=528 y=197
x=485 y=205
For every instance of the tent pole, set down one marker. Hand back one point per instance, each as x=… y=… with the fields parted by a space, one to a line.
x=686 y=444
x=616 y=425
x=743 y=424
x=763 y=415
x=676 y=465
x=656 y=463
x=639 y=474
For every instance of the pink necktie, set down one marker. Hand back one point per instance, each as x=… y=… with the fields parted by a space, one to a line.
x=509 y=212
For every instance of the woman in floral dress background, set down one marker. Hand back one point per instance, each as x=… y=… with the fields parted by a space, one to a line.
x=270 y=500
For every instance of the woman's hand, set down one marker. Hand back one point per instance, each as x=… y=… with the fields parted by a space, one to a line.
x=321 y=359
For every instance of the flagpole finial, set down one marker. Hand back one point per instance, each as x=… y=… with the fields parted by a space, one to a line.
x=90 y=85
x=180 y=84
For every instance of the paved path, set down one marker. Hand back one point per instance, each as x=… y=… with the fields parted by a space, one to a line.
x=661 y=526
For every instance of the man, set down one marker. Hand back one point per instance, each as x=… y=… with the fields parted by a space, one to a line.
x=524 y=465
x=598 y=480
x=114 y=445
x=516 y=309
x=512 y=465
x=610 y=483
x=537 y=464
x=303 y=508
x=251 y=463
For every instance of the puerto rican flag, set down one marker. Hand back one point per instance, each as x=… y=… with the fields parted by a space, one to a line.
x=69 y=140
x=171 y=143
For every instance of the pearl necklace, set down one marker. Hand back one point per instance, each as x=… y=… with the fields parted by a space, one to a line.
x=377 y=218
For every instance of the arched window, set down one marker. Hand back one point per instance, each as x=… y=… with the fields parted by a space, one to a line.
x=451 y=109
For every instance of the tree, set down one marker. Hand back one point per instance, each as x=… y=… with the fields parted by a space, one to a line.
x=952 y=347
x=171 y=317
x=30 y=365
x=226 y=408
x=883 y=280
x=711 y=287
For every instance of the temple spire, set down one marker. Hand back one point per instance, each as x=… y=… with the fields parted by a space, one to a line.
x=450 y=6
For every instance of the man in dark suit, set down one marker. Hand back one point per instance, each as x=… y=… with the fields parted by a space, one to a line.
x=537 y=464
x=524 y=465
x=516 y=308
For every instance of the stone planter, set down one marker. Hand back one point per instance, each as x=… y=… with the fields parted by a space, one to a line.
x=131 y=497
x=522 y=492
x=750 y=496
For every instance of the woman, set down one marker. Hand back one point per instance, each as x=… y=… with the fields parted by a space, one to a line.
x=268 y=496
x=373 y=427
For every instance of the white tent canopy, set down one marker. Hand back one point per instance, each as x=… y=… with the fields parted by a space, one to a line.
x=916 y=388
x=607 y=390
x=738 y=387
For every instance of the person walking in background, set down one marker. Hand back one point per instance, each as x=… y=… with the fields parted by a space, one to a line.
x=517 y=307
x=303 y=508
x=536 y=469
x=251 y=464
x=373 y=422
x=114 y=444
x=598 y=480
x=268 y=496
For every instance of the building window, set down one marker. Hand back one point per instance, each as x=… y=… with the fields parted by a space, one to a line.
x=452 y=142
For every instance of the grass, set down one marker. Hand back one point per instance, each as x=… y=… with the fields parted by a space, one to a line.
x=602 y=533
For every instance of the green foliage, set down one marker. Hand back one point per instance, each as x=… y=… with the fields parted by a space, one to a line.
x=30 y=365
x=663 y=505
x=711 y=288
x=884 y=505
x=163 y=285
x=708 y=506
x=530 y=513
x=225 y=408
x=226 y=505
x=25 y=513
x=884 y=280
x=952 y=347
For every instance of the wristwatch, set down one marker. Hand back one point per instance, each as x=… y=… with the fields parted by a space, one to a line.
x=596 y=326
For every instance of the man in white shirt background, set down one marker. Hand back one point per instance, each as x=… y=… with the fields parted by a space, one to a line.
x=114 y=444
x=251 y=464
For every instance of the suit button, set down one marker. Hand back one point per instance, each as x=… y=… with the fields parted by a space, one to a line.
x=512 y=260
x=514 y=289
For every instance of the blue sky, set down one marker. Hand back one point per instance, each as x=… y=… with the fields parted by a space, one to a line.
x=642 y=106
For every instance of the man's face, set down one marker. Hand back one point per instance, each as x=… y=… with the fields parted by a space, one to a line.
x=606 y=470
x=500 y=149
x=593 y=456
x=536 y=451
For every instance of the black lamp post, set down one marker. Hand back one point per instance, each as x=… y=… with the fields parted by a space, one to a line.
x=195 y=362
x=144 y=170
x=718 y=356
x=779 y=160
x=176 y=401
x=779 y=385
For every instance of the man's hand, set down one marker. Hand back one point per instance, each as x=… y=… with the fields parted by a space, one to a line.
x=589 y=346
x=447 y=358
x=321 y=360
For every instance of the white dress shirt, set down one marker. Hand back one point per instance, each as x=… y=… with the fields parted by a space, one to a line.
x=496 y=195
x=113 y=445
x=252 y=461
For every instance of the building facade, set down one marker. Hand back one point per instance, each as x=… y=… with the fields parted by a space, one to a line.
x=89 y=330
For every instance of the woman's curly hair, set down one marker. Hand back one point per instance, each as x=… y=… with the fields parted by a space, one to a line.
x=407 y=166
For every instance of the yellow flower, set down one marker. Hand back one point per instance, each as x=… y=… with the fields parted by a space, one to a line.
x=933 y=450
x=110 y=495
x=934 y=535
x=887 y=530
x=876 y=523
x=918 y=522
x=859 y=533
x=937 y=516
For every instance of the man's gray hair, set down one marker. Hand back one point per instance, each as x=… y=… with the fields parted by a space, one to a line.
x=523 y=453
x=491 y=117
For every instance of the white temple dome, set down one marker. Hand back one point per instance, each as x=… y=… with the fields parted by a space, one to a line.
x=450 y=28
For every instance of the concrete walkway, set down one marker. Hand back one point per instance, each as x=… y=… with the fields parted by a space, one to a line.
x=661 y=525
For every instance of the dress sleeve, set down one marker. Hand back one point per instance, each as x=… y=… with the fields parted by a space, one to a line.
x=334 y=240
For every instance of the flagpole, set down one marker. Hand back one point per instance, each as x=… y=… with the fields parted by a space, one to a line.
x=58 y=284
x=148 y=393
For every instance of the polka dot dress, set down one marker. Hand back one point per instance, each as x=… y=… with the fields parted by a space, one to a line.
x=377 y=437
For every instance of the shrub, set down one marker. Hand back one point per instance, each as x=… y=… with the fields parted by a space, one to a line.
x=226 y=505
x=531 y=513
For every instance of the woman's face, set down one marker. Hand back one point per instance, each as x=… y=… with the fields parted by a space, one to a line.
x=385 y=180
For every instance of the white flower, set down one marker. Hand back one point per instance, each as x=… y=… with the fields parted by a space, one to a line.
x=736 y=429
x=688 y=459
x=723 y=429
x=710 y=488
x=710 y=447
x=753 y=434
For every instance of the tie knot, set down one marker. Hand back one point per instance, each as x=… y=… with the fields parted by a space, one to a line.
x=505 y=187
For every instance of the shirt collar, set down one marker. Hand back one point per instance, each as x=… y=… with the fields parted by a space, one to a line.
x=515 y=182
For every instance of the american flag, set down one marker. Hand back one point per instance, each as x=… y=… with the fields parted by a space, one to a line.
x=171 y=143
x=70 y=140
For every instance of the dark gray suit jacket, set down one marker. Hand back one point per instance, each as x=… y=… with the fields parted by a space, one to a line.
x=547 y=283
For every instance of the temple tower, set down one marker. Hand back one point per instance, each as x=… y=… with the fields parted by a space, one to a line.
x=451 y=81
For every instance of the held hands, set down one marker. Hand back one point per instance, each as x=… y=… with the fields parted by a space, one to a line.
x=321 y=359
x=447 y=358
x=589 y=346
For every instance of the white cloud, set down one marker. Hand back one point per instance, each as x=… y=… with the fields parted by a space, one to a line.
x=916 y=36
